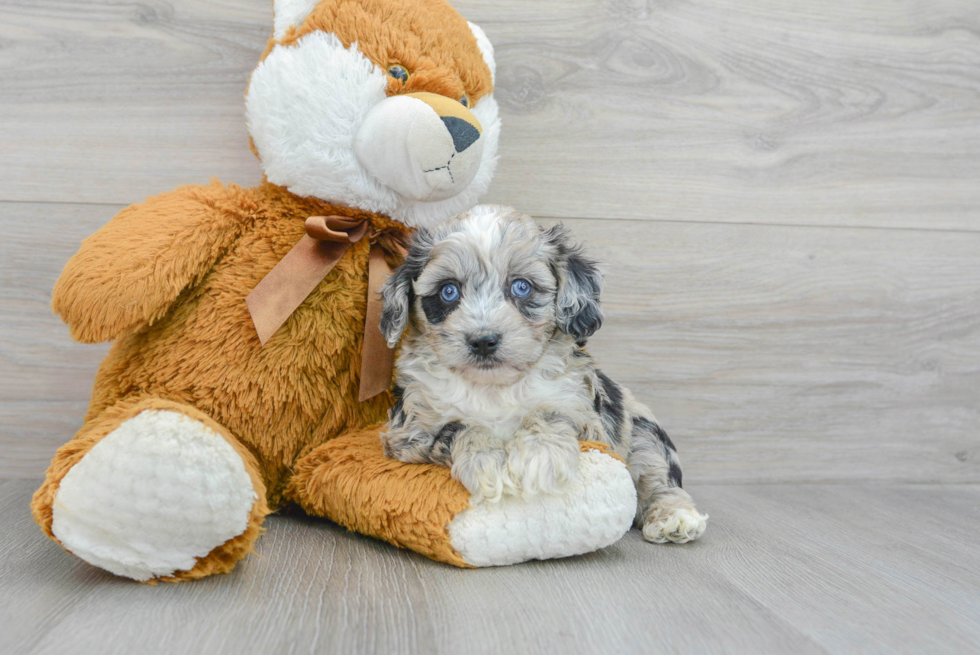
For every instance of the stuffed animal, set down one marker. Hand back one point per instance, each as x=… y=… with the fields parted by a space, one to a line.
x=248 y=370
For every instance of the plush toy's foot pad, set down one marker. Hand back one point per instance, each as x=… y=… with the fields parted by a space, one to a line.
x=153 y=496
x=595 y=512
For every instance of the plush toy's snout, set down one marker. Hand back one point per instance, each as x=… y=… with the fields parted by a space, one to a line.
x=424 y=146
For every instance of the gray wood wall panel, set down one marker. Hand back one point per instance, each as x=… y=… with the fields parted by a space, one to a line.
x=835 y=113
x=770 y=353
x=789 y=353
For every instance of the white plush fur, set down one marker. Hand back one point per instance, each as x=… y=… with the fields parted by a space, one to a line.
x=304 y=106
x=158 y=492
x=404 y=144
x=595 y=511
x=486 y=49
x=290 y=13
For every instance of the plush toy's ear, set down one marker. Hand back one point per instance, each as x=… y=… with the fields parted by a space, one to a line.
x=486 y=49
x=579 y=313
x=290 y=13
x=398 y=294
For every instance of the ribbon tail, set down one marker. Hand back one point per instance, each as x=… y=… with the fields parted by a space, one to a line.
x=285 y=287
x=377 y=359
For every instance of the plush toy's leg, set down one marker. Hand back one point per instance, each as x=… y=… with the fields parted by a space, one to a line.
x=153 y=490
x=421 y=507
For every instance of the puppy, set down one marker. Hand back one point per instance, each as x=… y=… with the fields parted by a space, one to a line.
x=492 y=379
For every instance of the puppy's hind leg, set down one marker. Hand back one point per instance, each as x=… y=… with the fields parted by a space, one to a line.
x=665 y=512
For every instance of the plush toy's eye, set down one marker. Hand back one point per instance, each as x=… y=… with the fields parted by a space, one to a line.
x=449 y=293
x=520 y=288
x=398 y=72
x=465 y=101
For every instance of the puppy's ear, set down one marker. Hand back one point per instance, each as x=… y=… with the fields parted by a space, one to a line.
x=397 y=293
x=578 y=311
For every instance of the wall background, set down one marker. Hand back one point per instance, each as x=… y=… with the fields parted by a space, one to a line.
x=787 y=196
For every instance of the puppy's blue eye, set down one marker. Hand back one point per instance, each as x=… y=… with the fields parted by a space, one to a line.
x=520 y=288
x=449 y=293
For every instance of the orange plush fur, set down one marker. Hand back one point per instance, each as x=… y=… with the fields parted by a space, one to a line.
x=414 y=503
x=424 y=37
x=167 y=280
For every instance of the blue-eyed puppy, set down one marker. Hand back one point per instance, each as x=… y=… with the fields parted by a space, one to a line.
x=492 y=379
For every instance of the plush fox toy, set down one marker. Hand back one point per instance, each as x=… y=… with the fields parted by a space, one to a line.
x=212 y=408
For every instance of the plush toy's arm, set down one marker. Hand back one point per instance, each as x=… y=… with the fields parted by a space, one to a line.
x=421 y=506
x=128 y=273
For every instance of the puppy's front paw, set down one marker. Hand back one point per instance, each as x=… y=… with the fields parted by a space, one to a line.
x=484 y=474
x=542 y=464
x=677 y=525
x=397 y=446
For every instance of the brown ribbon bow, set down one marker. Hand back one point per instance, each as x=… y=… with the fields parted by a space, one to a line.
x=286 y=286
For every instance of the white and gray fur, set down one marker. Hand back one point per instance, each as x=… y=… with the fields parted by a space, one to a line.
x=509 y=421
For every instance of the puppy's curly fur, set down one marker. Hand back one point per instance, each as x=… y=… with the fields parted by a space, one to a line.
x=493 y=379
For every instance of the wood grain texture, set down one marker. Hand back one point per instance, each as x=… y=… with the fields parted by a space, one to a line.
x=827 y=113
x=38 y=360
x=790 y=353
x=854 y=568
x=782 y=568
x=770 y=353
x=835 y=113
x=45 y=378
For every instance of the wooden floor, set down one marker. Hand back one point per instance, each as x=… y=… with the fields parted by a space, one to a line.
x=787 y=199
x=783 y=569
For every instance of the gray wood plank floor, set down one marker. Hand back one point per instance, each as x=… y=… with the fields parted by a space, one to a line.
x=782 y=569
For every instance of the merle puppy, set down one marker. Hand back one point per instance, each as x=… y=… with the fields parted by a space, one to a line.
x=493 y=380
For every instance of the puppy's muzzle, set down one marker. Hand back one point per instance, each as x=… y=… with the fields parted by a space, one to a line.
x=422 y=145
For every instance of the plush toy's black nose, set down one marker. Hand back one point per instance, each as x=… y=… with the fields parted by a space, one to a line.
x=484 y=346
x=462 y=132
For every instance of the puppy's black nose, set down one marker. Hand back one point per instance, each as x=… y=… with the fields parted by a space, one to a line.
x=462 y=132
x=484 y=346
